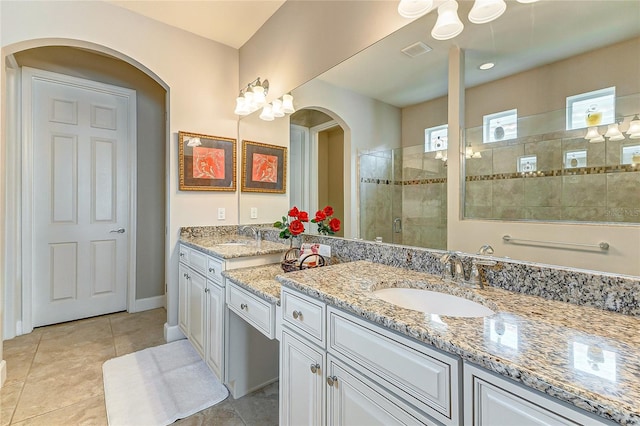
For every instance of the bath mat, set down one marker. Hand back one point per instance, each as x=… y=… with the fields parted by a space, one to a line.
x=157 y=386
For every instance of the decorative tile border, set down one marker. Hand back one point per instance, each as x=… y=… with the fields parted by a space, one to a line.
x=403 y=182
x=621 y=168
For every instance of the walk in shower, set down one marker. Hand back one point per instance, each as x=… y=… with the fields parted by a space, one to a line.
x=403 y=196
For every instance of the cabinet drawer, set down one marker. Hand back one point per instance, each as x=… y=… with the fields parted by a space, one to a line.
x=183 y=254
x=252 y=309
x=198 y=261
x=424 y=377
x=305 y=315
x=214 y=270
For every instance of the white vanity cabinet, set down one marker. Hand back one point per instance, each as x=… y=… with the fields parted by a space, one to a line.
x=491 y=400
x=201 y=305
x=337 y=369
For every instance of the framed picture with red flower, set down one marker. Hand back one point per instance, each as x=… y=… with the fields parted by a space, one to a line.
x=206 y=163
x=264 y=168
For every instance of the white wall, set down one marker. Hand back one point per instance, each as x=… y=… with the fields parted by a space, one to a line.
x=201 y=77
x=3 y=364
x=368 y=124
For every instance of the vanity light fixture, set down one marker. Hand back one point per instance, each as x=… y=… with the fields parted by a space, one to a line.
x=484 y=11
x=414 y=8
x=634 y=128
x=592 y=133
x=448 y=24
x=614 y=133
x=254 y=96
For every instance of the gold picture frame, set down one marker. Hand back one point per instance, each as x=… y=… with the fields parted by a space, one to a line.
x=206 y=163
x=264 y=168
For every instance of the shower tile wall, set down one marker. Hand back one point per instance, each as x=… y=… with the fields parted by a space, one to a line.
x=603 y=191
x=408 y=184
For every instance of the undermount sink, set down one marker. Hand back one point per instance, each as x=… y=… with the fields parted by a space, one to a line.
x=236 y=243
x=433 y=302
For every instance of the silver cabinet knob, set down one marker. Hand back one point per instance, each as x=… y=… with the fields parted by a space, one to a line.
x=206 y=290
x=243 y=306
x=212 y=270
x=297 y=314
x=117 y=231
x=315 y=368
x=332 y=380
x=181 y=254
x=187 y=276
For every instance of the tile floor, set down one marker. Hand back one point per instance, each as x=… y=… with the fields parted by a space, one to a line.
x=54 y=375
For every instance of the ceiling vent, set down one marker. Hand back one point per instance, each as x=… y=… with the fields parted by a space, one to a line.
x=416 y=49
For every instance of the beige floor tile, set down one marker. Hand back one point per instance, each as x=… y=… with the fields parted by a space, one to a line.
x=139 y=322
x=18 y=366
x=26 y=343
x=42 y=395
x=90 y=412
x=79 y=331
x=133 y=342
x=9 y=395
x=53 y=350
x=221 y=414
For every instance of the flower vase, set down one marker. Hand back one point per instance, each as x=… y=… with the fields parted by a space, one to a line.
x=295 y=241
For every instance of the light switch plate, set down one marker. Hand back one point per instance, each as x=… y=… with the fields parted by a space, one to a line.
x=221 y=213
x=254 y=212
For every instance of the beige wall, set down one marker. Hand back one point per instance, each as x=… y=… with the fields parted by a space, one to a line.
x=306 y=38
x=201 y=77
x=3 y=364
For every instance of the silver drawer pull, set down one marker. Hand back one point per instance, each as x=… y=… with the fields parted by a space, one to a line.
x=243 y=306
x=332 y=380
x=206 y=290
x=212 y=270
x=297 y=315
x=181 y=254
x=315 y=368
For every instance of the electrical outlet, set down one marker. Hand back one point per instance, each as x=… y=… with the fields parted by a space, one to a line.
x=221 y=213
x=254 y=212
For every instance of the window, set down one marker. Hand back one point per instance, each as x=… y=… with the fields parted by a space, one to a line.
x=630 y=154
x=575 y=158
x=435 y=138
x=500 y=126
x=591 y=109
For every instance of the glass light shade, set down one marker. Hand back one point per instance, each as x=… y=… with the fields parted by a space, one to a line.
x=448 y=24
x=613 y=131
x=634 y=128
x=248 y=100
x=439 y=155
x=484 y=11
x=476 y=155
x=267 y=113
x=527 y=1
x=241 y=106
x=468 y=152
x=600 y=138
x=592 y=133
x=193 y=142
x=617 y=138
x=414 y=8
x=287 y=104
x=258 y=96
x=277 y=108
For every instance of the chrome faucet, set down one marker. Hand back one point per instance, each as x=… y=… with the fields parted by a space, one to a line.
x=453 y=262
x=256 y=232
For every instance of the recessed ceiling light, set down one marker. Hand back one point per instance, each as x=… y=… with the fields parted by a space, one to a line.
x=487 y=66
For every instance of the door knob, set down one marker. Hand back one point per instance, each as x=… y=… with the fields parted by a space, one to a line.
x=117 y=231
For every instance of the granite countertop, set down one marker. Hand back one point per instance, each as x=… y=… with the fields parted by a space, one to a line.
x=259 y=280
x=582 y=355
x=213 y=245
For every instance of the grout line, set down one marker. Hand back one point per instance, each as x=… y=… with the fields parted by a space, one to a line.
x=26 y=377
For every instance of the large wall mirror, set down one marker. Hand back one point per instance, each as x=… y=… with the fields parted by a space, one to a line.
x=391 y=102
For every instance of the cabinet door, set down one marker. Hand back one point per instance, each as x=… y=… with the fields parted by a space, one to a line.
x=197 y=300
x=183 y=299
x=355 y=400
x=215 y=328
x=302 y=388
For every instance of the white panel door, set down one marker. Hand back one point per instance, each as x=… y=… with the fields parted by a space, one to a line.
x=80 y=199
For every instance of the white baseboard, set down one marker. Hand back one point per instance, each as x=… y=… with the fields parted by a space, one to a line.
x=149 y=303
x=173 y=333
x=3 y=372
